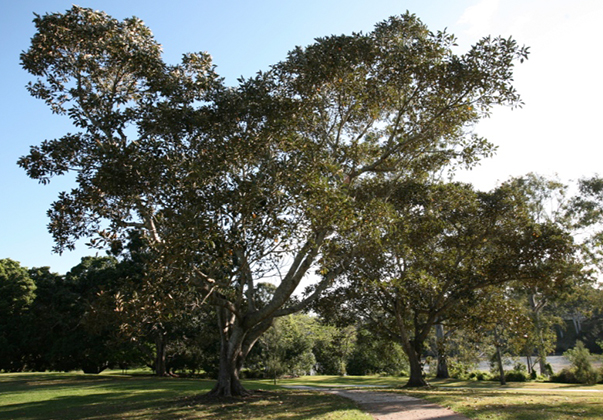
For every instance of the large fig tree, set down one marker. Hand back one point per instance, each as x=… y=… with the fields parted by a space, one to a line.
x=231 y=186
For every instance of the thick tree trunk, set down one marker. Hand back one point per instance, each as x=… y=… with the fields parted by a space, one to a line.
x=231 y=358
x=235 y=344
x=229 y=383
x=241 y=328
x=416 y=371
x=499 y=359
x=160 y=365
x=414 y=357
x=442 y=368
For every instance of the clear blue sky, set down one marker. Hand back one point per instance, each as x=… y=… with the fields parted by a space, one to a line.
x=556 y=132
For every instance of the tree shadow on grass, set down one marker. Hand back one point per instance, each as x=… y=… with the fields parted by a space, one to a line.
x=96 y=397
x=289 y=404
x=90 y=406
x=87 y=397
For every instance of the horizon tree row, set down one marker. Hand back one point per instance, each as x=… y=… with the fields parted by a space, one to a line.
x=50 y=322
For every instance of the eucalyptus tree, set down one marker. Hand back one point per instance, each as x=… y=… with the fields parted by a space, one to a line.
x=549 y=202
x=587 y=209
x=230 y=185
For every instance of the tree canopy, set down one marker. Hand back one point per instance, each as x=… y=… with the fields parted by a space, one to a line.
x=439 y=252
x=230 y=185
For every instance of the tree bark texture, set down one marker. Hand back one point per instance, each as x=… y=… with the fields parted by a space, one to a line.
x=160 y=364
x=442 y=369
x=236 y=341
x=231 y=355
x=414 y=357
x=499 y=359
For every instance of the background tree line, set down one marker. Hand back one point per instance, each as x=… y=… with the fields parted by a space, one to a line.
x=77 y=321
x=439 y=260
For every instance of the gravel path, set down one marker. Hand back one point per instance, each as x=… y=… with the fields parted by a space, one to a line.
x=390 y=406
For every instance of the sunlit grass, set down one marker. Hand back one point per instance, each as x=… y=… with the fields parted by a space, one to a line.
x=455 y=383
x=138 y=396
x=503 y=404
x=68 y=396
x=337 y=381
x=488 y=399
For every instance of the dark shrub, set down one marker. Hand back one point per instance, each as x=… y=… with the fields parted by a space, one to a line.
x=516 y=376
x=564 y=376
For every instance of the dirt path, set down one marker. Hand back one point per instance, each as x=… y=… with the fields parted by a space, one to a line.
x=390 y=406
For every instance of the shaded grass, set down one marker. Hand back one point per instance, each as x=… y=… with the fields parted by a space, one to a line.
x=284 y=404
x=62 y=396
x=66 y=396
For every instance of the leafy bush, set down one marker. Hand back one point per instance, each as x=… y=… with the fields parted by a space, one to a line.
x=564 y=376
x=581 y=370
x=374 y=355
x=479 y=375
x=460 y=369
x=517 y=376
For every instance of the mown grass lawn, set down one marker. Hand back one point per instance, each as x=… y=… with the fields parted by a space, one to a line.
x=501 y=404
x=37 y=396
x=337 y=381
x=65 y=396
x=486 y=400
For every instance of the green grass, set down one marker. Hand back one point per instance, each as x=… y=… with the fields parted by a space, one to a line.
x=484 y=404
x=455 y=383
x=488 y=400
x=36 y=396
x=328 y=381
x=138 y=396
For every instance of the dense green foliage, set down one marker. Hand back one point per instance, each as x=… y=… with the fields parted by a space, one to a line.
x=446 y=254
x=581 y=370
x=324 y=164
x=227 y=185
x=81 y=321
x=17 y=292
